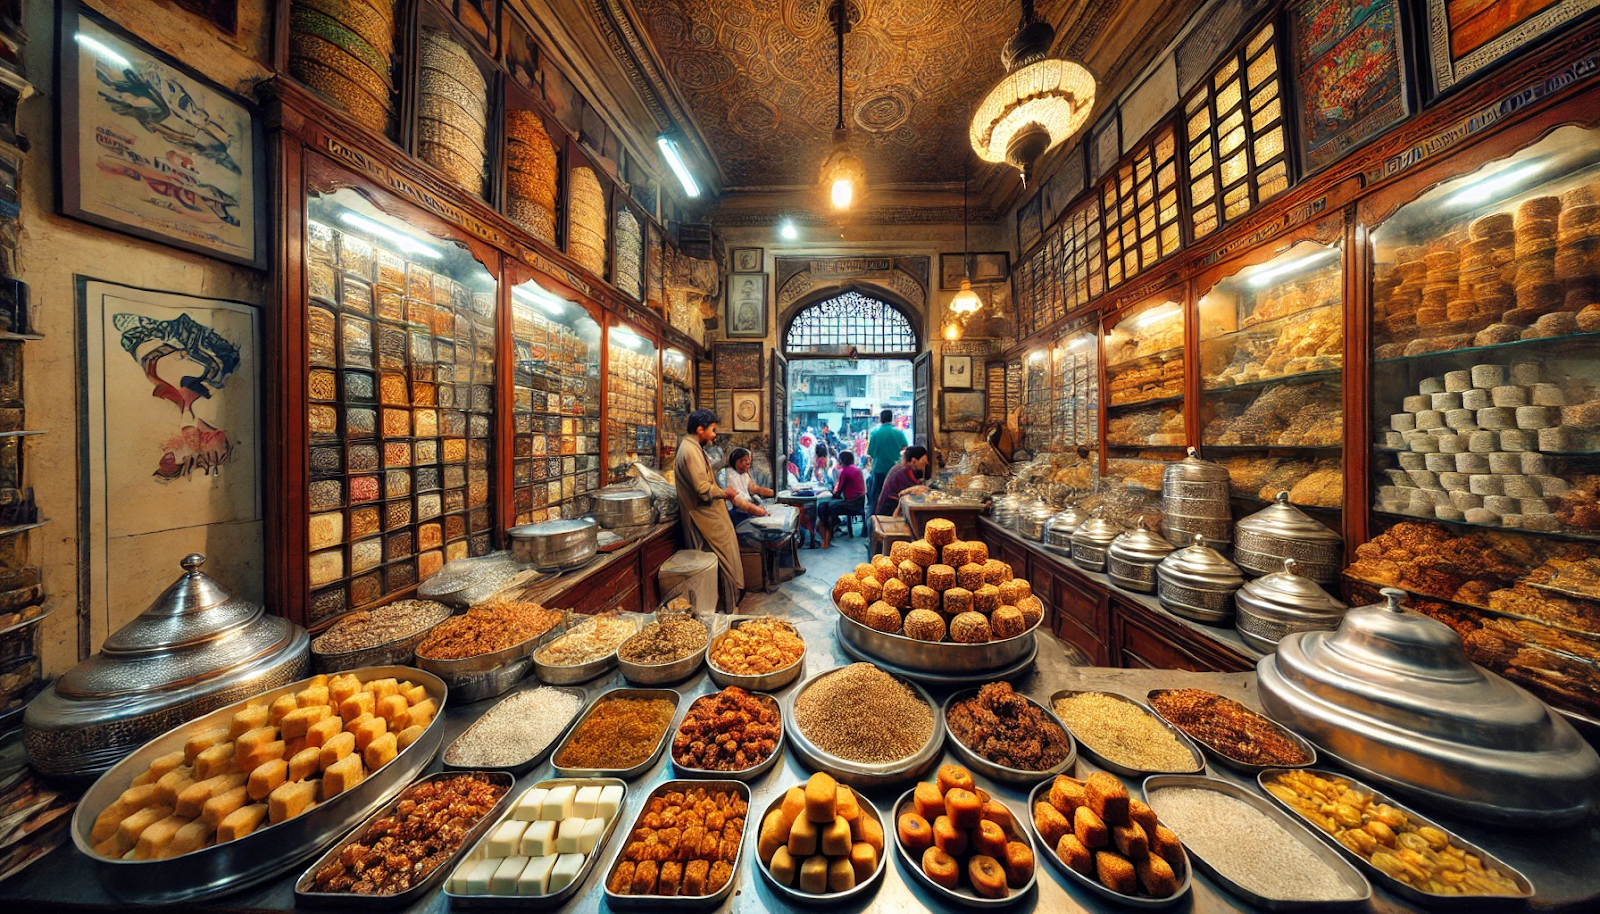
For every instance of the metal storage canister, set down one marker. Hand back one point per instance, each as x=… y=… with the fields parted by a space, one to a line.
x=1198 y=582
x=624 y=508
x=194 y=650
x=1392 y=695
x=556 y=545
x=1090 y=542
x=1281 y=531
x=1132 y=558
x=1032 y=521
x=1283 y=602
x=1058 y=532
x=1194 y=499
x=1005 y=510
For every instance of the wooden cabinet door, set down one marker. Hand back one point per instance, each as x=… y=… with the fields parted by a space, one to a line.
x=1140 y=644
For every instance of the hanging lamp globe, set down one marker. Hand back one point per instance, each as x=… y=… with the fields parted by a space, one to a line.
x=951 y=329
x=966 y=302
x=1040 y=103
x=844 y=175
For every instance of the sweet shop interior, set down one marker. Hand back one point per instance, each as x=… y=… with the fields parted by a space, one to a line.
x=871 y=455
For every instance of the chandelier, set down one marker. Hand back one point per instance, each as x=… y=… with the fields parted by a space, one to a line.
x=1039 y=103
x=844 y=176
x=966 y=302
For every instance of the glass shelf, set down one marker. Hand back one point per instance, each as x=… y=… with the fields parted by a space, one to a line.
x=1478 y=608
x=1164 y=355
x=1305 y=377
x=1265 y=327
x=1309 y=448
x=1153 y=401
x=1566 y=535
x=1513 y=346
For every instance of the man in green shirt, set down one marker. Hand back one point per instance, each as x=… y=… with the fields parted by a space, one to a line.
x=883 y=449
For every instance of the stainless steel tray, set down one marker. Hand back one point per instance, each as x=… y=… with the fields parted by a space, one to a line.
x=1348 y=874
x=1107 y=764
x=994 y=770
x=766 y=682
x=572 y=674
x=941 y=657
x=554 y=899
x=658 y=674
x=684 y=902
x=963 y=896
x=1391 y=884
x=399 y=652
x=268 y=851
x=747 y=774
x=1184 y=874
x=862 y=774
x=1230 y=761
x=626 y=774
x=302 y=887
x=938 y=678
x=487 y=675
x=848 y=896
x=523 y=767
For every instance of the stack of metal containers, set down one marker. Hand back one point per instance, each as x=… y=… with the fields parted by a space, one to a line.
x=1194 y=499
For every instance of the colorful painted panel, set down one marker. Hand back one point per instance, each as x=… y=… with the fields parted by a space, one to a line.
x=1465 y=36
x=1349 y=75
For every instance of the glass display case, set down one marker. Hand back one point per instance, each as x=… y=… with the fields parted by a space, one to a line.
x=555 y=406
x=632 y=384
x=1486 y=408
x=401 y=346
x=1145 y=377
x=1271 y=360
x=677 y=400
x=1037 y=411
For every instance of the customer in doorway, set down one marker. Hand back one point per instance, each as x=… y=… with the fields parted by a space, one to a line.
x=905 y=480
x=883 y=452
x=706 y=525
x=745 y=500
x=848 y=492
x=822 y=468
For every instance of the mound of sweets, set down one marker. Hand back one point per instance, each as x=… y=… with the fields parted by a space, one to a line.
x=683 y=843
x=964 y=837
x=939 y=589
x=1099 y=831
x=819 y=839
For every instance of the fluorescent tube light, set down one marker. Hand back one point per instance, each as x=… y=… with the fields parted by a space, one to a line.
x=669 y=148
x=407 y=243
x=103 y=52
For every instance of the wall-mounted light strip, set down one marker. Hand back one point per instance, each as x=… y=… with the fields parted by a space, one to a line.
x=407 y=243
x=554 y=304
x=669 y=148
x=101 y=51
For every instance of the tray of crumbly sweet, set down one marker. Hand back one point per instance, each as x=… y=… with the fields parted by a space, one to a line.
x=248 y=791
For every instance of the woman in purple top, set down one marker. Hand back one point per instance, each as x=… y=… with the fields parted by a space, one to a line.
x=906 y=475
x=848 y=492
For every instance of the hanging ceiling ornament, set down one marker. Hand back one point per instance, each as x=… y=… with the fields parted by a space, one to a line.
x=1039 y=104
x=966 y=302
x=844 y=176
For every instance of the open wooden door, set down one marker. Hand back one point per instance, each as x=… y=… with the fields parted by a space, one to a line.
x=780 y=421
x=922 y=405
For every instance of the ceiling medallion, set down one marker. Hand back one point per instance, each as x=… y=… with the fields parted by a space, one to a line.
x=1039 y=103
x=844 y=176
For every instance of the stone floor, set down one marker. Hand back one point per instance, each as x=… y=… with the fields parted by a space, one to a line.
x=809 y=596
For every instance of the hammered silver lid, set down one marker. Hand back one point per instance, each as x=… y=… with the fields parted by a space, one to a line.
x=1096 y=531
x=1194 y=468
x=1200 y=567
x=1283 y=520
x=1288 y=595
x=1069 y=518
x=1139 y=546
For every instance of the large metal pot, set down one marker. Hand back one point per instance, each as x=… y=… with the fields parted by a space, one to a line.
x=1286 y=601
x=1058 y=532
x=1282 y=531
x=1033 y=519
x=1194 y=499
x=623 y=508
x=556 y=545
x=1198 y=582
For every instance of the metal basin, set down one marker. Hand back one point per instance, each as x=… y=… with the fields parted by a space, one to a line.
x=556 y=545
x=862 y=888
x=765 y=682
x=865 y=775
x=994 y=770
x=944 y=657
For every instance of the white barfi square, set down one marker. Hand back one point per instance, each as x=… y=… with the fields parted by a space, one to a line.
x=558 y=803
x=569 y=834
x=477 y=881
x=539 y=840
x=505 y=839
x=610 y=802
x=566 y=870
x=536 y=876
x=592 y=830
x=504 y=881
x=529 y=804
x=585 y=802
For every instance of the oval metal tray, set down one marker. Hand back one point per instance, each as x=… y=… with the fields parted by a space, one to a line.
x=994 y=770
x=268 y=851
x=303 y=894
x=862 y=774
x=1391 y=884
x=941 y=680
x=862 y=888
x=1185 y=878
x=1228 y=760
x=399 y=652
x=659 y=674
x=963 y=896
x=572 y=674
x=684 y=902
x=554 y=899
x=1347 y=874
x=938 y=657
x=523 y=767
x=626 y=774
x=747 y=774
x=494 y=673
x=765 y=682
x=1124 y=770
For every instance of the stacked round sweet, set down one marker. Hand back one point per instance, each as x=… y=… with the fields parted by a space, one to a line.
x=452 y=112
x=939 y=589
x=531 y=175
x=344 y=50
x=630 y=253
x=586 y=237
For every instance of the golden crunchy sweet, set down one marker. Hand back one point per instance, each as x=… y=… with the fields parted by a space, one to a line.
x=940 y=577
x=986 y=599
x=924 y=625
x=762 y=646
x=978 y=550
x=924 y=597
x=1032 y=609
x=957 y=600
x=896 y=593
x=883 y=617
x=1007 y=622
x=940 y=532
x=871 y=589
x=884 y=568
x=996 y=572
x=924 y=553
x=853 y=605
x=969 y=628
x=848 y=583
x=956 y=554
x=900 y=551
x=970 y=576
x=910 y=572
x=693 y=835
x=863 y=570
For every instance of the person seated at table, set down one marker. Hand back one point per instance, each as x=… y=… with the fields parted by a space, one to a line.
x=747 y=493
x=904 y=479
x=848 y=492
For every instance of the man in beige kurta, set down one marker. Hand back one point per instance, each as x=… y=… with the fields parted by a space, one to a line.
x=702 y=505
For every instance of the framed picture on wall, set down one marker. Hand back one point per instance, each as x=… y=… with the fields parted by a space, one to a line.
x=747 y=306
x=991 y=268
x=961 y=410
x=747 y=410
x=952 y=269
x=1028 y=226
x=738 y=365
x=1464 y=38
x=188 y=168
x=747 y=260
x=1348 y=73
x=956 y=372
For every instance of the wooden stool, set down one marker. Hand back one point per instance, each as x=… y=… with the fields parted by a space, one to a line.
x=888 y=530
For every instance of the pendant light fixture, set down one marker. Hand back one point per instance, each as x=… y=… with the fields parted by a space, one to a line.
x=1039 y=103
x=844 y=176
x=966 y=302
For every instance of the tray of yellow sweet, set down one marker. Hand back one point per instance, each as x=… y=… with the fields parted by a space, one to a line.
x=252 y=789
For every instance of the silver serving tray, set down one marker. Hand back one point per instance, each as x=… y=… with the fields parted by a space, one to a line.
x=862 y=774
x=523 y=767
x=940 y=657
x=1185 y=877
x=766 y=682
x=495 y=673
x=303 y=894
x=963 y=896
x=994 y=770
x=684 y=902
x=1124 y=770
x=827 y=898
x=1391 y=884
x=572 y=674
x=268 y=851
x=941 y=680
x=747 y=774
x=399 y=652
x=554 y=899
x=626 y=774
x=1348 y=874
x=657 y=674
x=1230 y=761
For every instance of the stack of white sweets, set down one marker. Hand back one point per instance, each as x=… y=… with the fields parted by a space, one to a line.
x=1472 y=448
x=539 y=848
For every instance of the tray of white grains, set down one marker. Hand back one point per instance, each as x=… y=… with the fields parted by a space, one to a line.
x=516 y=734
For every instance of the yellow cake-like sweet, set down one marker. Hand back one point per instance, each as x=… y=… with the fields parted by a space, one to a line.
x=956 y=554
x=940 y=577
x=900 y=551
x=853 y=605
x=1007 y=622
x=924 y=625
x=957 y=600
x=883 y=617
x=996 y=572
x=848 y=583
x=970 y=576
x=910 y=572
x=986 y=599
x=924 y=597
x=1032 y=609
x=924 y=553
x=896 y=593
